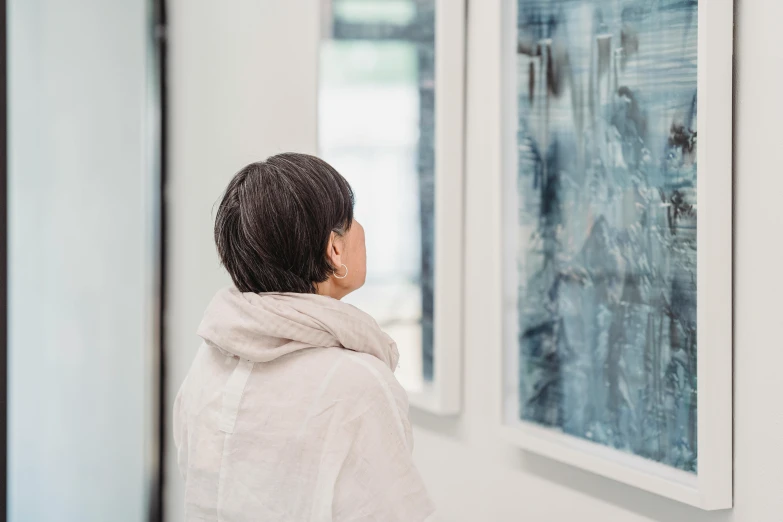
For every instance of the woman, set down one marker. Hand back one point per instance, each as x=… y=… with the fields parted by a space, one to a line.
x=291 y=411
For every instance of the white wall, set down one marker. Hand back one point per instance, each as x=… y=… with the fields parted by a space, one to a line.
x=82 y=192
x=473 y=476
x=243 y=86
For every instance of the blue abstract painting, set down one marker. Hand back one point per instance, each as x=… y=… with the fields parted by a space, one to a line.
x=607 y=223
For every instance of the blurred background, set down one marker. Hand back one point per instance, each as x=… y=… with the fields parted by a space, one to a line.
x=124 y=121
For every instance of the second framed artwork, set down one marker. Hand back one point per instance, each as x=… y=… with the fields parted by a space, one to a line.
x=390 y=119
x=618 y=240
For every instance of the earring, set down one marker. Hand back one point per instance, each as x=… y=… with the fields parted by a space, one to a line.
x=342 y=276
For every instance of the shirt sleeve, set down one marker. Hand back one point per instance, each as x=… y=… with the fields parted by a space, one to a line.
x=378 y=481
x=181 y=433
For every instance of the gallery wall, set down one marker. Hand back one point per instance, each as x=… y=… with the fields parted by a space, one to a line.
x=243 y=80
x=82 y=193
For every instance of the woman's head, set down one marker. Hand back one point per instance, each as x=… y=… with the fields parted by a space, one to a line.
x=286 y=225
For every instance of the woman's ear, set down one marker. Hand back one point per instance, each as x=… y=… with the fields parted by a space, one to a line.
x=335 y=249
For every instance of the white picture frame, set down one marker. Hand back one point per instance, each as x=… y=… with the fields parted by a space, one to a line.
x=443 y=394
x=711 y=487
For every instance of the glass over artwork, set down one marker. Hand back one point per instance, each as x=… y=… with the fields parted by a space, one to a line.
x=607 y=223
x=377 y=128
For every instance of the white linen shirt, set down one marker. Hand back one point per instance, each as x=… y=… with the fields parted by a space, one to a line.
x=291 y=412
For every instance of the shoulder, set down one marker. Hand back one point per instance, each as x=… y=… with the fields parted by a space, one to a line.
x=369 y=384
x=368 y=374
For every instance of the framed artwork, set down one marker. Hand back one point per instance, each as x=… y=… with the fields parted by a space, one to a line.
x=390 y=119
x=618 y=240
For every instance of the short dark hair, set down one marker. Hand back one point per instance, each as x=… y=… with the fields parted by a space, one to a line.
x=274 y=221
